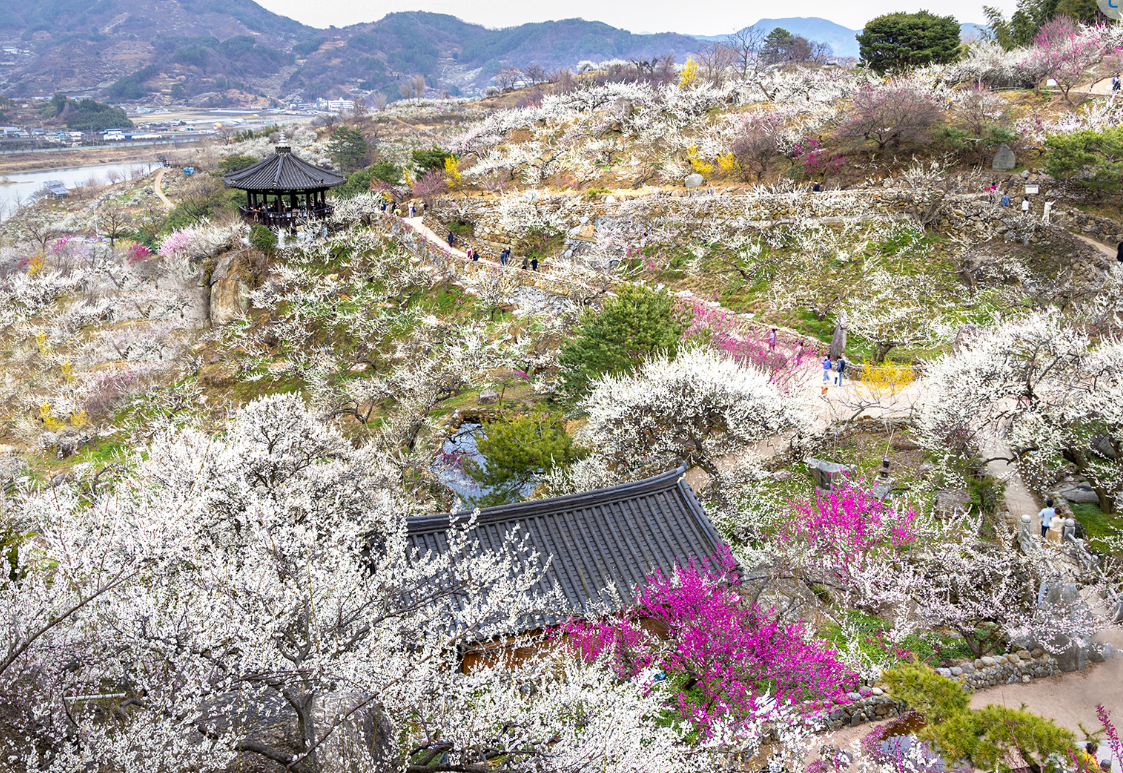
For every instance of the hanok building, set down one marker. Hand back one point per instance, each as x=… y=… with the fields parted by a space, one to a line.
x=283 y=190
x=609 y=538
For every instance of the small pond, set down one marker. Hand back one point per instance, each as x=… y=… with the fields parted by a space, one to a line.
x=449 y=466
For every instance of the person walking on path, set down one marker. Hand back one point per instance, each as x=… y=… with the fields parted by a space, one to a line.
x=503 y=257
x=1025 y=206
x=1116 y=82
x=1046 y=515
x=772 y=335
x=841 y=368
x=1119 y=252
x=412 y=210
x=451 y=238
x=828 y=367
x=993 y=190
x=526 y=263
x=1005 y=200
x=534 y=264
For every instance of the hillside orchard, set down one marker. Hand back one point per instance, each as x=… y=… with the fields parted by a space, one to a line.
x=211 y=436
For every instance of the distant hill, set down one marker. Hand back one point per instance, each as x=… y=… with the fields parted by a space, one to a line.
x=456 y=54
x=223 y=52
x=218 y=52
x=841 y=39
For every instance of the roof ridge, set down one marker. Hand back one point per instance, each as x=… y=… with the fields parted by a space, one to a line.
x=631 y=489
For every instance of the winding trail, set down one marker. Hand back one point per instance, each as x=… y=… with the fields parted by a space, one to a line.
x=158 y=185
x=418 y=224
x=1093 y=243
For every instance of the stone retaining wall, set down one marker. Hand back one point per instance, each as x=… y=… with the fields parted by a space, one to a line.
x=509 y=221
x=872 y=704
x=991 y=671
x=1103 y=229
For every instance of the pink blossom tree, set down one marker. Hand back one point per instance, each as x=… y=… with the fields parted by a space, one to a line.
x=429 y=186
x=896 y=112
x=1063 y=51
x=747 y=346
x=728 y=661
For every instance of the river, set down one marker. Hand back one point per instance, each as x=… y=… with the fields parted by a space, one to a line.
x=26 y=184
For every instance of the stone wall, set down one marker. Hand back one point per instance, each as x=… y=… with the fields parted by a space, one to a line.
x=869 y=705
x=1103 y=229
x=990 y=671
x=508 y=221
x=872 y=704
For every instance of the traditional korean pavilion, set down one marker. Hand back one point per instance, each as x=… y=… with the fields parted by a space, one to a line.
x=283 y=189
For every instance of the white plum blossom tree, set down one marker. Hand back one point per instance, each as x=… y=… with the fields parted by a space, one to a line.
x=692 y=409
x=253 y=594
x=1040 y=386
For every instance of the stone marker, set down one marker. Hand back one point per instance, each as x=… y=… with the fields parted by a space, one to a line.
x=1003 y=159
x=883 y=485
x=826 y=474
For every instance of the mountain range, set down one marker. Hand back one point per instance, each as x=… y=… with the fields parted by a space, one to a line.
x=225 y=52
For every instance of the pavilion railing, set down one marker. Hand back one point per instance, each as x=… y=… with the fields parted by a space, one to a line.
x=286 y=219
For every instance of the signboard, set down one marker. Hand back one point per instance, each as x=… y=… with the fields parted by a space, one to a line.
x=1111 y=8
x=1032 y=189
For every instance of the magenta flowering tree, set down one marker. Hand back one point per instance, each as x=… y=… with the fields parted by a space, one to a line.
x=728 y=662
x=1113 y=740
x=834 y=539
x=813 y=159
x=137 y=253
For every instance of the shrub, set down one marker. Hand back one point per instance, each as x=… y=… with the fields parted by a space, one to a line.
x=636 y=324
x=988 y=738
x=263 y=238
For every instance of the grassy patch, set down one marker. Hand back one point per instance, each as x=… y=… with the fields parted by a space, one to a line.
x=1097 y=523
x=874 y=639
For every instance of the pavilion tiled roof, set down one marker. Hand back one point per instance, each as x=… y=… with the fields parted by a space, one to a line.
x=283 y=172
x=609 y=537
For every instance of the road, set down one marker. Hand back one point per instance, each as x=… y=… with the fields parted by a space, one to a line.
x=159 y=186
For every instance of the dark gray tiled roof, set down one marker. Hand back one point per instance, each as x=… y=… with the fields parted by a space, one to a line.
x=282 y=171
x=615 y=535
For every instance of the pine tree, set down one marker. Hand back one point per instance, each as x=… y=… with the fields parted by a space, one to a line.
x=516 y=452
x=634 y=325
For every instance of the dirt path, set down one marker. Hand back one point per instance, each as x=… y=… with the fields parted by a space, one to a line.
x=1098 y=245
x=1069 y=699
x=158 y=185
x=418 y=224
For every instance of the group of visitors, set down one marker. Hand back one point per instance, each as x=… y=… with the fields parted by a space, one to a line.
x=1006 y=201
x=833 y=372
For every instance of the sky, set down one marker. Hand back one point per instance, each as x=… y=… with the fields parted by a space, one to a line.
x=690 y=17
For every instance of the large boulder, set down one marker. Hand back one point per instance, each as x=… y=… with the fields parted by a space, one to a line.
x=952 y=501
x=363 y=743
x=1004 y=159
x=11 y=467
x=694 y=181
x=229 y=290
x=827 y=475
x=1079 y=493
